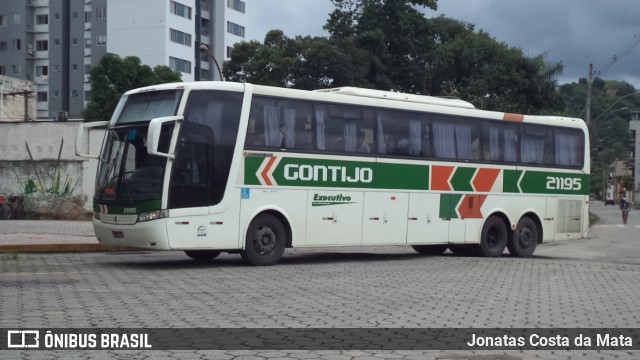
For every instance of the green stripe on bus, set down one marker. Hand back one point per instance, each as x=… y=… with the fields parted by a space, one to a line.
x=251 y=165
x=292 y=171
x=305 y=172
x=510 y=181
x=448 y=205
x=401 y=176
x=546 y=182
x=461 y=179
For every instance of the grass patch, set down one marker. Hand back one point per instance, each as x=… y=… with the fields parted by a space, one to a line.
x=9 y=257
x=593 y=218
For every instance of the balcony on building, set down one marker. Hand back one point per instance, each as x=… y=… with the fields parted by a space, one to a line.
x=38 y=3
x=205 y=11
x=42 y=80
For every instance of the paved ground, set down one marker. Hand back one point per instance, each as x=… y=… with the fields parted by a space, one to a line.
x=591 y=283
x=49 y=236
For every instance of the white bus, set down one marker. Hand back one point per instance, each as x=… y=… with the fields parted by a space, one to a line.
x=211 y=167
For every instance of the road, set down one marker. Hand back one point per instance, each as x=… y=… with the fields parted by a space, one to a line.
x=589 y=283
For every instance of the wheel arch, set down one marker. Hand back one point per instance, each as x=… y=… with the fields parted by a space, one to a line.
x=280 y=215
x=536 y=219
x=502 y=216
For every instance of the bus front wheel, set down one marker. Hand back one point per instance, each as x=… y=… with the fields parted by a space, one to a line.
x=494 y=237
x=202 y=255
x=525 y=239
x=265 y=242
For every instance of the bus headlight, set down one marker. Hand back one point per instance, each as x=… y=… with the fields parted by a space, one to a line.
x=153 y=215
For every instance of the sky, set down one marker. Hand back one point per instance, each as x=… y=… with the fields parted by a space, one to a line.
x=605 y=33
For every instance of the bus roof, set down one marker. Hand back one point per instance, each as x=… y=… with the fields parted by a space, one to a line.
x=390 y=95
x=367 y=96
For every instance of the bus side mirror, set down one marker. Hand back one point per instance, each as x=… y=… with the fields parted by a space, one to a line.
x=80 y=136
x=153 y=135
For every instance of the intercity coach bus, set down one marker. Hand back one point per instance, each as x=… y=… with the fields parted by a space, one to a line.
x=211 y=167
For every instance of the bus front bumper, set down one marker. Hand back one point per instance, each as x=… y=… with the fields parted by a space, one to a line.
x=151 y=235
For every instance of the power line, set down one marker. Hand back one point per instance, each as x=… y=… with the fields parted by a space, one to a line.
x=626 y=50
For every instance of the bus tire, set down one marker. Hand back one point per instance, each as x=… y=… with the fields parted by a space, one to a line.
x=430 y=249
x=494 y=237
x=265 y=242
x=525 y=238
x=202 y=255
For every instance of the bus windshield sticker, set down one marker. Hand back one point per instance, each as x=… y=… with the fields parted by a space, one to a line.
x=132 y=134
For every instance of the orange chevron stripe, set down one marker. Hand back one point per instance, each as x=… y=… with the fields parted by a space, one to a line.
x=485 y=178
x=470 y=206
x=265 y=171
x=440 y=177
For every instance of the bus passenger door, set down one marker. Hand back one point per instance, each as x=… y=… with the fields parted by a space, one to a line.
x=334 y=217
x=424 y=222
x=385 y=218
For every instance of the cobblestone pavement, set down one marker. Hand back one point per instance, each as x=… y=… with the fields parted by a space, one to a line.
x=571 y=284
x=47 y=227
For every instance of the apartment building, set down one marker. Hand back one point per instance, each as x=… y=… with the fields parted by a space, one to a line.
x=56 y=42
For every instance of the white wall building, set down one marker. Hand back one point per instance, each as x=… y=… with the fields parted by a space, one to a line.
x=56 y=42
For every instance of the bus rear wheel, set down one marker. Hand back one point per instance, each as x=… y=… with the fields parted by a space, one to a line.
x=525 y=239
x=202 y=255
x=265 y=242
x=494 y=237
x=430 y=249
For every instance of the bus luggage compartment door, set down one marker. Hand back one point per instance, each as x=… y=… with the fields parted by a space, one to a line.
x=334 y=218
x=385 y=218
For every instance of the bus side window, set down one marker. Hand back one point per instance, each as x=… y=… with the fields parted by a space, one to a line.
x=536 y=146
x=279 y=123
x=569 y=147
x=296 y=124
x=499 y=141
x=468 y=139
x=443 y=138
x=425 y=149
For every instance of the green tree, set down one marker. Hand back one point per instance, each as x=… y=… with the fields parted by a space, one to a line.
x=113 y=76
x=391 y=45
x=301 y=63
x=609 y=126
x=265 y=64
x=390 y=31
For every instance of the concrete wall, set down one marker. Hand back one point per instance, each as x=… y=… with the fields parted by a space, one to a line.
x=44 y=139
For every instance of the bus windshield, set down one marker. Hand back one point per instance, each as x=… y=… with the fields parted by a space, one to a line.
x=127 y=174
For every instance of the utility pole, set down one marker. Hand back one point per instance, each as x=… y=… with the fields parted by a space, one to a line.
x=1 y=98
x=26 y=105
x=25 y=94
x=589 y=83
